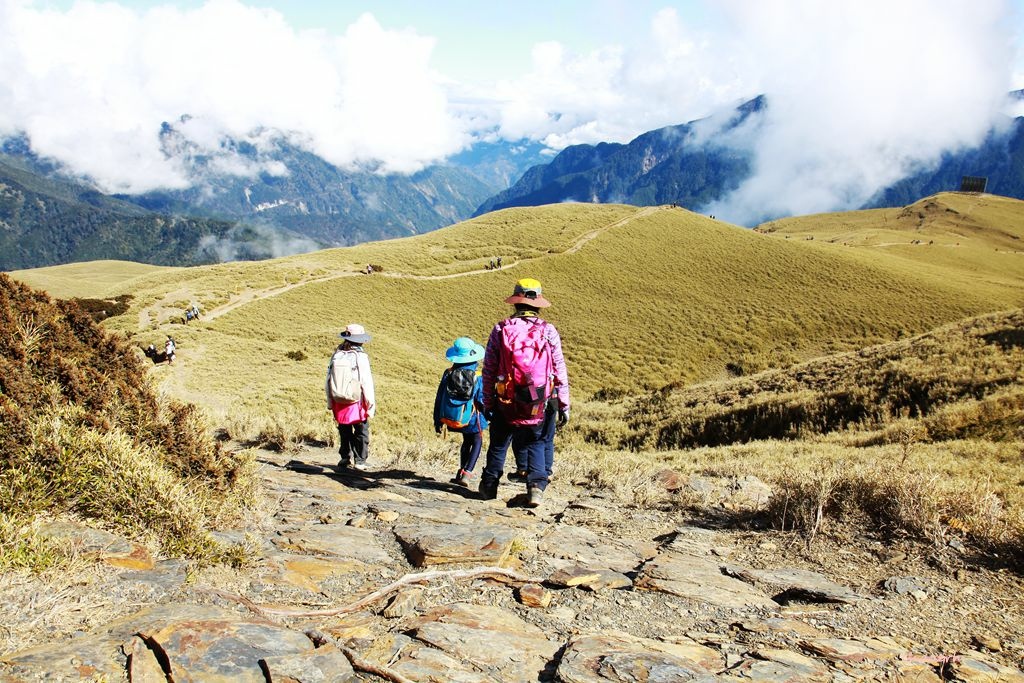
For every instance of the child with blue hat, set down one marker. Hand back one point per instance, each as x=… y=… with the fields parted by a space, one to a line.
x=459 y=402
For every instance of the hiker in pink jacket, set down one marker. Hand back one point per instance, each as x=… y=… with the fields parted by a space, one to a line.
x=523 y=368
x=351 y=397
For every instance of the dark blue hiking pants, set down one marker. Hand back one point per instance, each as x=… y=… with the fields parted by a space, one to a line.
x=547 y=435
x=469 y=453
x=526 y=443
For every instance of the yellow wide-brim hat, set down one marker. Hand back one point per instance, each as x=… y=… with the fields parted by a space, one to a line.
x=528 y=291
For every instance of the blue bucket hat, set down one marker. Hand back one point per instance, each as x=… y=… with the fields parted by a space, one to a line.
x=464 y=350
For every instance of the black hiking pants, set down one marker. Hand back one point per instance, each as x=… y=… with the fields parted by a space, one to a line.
x=354 y=440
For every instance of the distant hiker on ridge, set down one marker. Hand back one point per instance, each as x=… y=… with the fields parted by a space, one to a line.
x=459 y=402
x=351 y=397
x=523 y=365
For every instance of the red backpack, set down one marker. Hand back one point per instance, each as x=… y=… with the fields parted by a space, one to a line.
x=525 y=371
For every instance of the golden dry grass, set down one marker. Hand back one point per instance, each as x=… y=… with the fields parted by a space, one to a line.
x=644 y=298
x=92 y=279
x=922 y=437
x=666 y=296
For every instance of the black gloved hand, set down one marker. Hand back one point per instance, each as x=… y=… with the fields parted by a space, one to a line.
x=563 y=418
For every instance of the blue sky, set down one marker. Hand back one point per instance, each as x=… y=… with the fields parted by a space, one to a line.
x=480 y=40
x=861 y=91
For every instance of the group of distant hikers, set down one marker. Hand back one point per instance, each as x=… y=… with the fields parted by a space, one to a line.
x=167 y=356
x=170 y=347
x=520 y=394
x=495 y=264
x=191 y=313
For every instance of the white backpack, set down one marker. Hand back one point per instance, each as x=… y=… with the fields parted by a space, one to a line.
x=344 y=378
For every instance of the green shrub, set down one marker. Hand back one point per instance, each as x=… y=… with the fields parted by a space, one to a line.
x=83 y=432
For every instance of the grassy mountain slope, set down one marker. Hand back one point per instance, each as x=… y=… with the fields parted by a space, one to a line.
x=891 y=436
x=643 y=298
x=646 y=298
x=961 y=380
x=88 y=279
x=975 y=240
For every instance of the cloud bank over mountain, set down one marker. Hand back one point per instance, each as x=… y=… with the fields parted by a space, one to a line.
x=865 y=97
x=91 y=86
x=860 y=93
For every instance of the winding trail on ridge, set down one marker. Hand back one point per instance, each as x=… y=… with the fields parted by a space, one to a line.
x=259 y=295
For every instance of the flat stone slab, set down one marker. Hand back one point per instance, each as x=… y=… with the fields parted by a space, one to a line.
x=623 y=658
x=977 y=669
x=423 y=663
x=494 y=639
x=772 y=665
x=882 y=648
x=306 y=571
x=797 y=584
x=780 y=626
x=585 y=547
x=700 y=579
x=87 y=658
x=573 y=575
x=429 y=544
x=103 y=545
x=430 y=511
x=166 y=577
x=585 y=577
x=222 y=650
x=324 y=665
x=689 y=568
x=99 y=654
x=336 y=540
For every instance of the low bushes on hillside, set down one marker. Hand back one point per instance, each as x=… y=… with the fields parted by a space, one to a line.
x=961 y=380
x=83 y=432
x=919 y=438
x=101 y=309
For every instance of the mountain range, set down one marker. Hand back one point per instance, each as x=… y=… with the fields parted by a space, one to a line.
x=247 y=201
x=685 y=165
x=286 y=186
x=46 y=221
x=269 y=196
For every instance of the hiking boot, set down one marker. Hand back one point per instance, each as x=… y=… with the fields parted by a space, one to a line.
x=517 y=476
x=535 y=498
x=361 y=466
x=462 y=478
x=488 y=489
x=344 y=464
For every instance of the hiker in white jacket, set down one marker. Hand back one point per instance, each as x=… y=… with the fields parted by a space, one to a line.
x=351 y=397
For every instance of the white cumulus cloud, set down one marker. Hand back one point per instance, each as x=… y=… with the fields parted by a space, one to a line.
x=91 y=86
x=861 y=94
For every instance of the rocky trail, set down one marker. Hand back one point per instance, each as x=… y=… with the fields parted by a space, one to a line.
x=397 y=575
